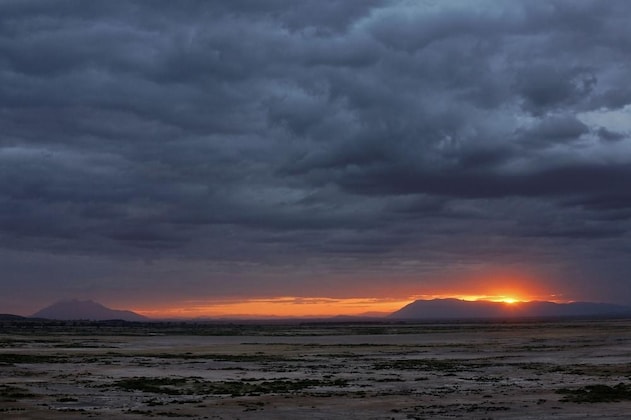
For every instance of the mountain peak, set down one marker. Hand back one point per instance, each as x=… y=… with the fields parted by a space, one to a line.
x=75 y=309
x=462 y=309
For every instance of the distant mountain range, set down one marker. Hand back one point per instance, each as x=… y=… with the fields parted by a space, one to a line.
x=11 y=317
x=436 y=309
x=462 y=309
x=85 y=310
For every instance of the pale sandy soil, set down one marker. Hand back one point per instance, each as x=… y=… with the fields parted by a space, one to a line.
x=469 y=371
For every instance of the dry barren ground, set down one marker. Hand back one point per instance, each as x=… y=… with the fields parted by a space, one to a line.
x=524 y=370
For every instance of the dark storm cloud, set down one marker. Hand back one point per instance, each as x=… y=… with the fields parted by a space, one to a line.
x=279 y=130
x=551 y=131
x=461 y=183
x=608 y=135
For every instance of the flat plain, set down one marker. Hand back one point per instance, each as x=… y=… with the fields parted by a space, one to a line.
x=573 y=369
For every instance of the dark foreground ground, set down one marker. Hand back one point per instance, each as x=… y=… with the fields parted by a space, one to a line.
x=522 y=370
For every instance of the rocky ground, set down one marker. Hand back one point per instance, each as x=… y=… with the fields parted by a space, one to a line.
x=520 y=370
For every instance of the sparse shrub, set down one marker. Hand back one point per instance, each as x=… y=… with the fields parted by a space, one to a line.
x=597 y=393
x=10 y=393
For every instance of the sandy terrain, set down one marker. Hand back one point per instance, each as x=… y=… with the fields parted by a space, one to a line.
x=563 y=370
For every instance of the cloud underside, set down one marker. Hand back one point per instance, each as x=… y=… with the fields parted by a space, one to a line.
x=272 y=131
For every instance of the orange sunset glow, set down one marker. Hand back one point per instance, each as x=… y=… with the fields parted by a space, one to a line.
x=498 y=286
x=510 y=290
x=286 y=306
x=502 y=286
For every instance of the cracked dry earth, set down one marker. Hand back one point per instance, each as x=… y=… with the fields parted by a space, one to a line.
x=521 y=370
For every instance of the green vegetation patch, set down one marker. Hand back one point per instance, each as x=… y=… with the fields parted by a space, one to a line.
x=426 y=365
x=10 y=393
x=259 y=357
x=597 y=393
x=247 y=358
x=171 y=386
x=194 y=386
x=13 y=358
x=67 y=399
x=581 y=369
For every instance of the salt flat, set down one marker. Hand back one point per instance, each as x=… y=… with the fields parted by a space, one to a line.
x=520 y=370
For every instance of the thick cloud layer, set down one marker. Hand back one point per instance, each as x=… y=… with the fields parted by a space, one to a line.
x=292 y=141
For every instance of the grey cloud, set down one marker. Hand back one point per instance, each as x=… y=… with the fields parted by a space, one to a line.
x=460 y=183
x=554 y=130
x=546 y=87
x=605 y=202
x=614 y=98
x=608 y=135
x=258 y=131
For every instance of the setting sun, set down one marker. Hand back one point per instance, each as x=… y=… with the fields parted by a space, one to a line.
x=509 y=288
x=509 y=300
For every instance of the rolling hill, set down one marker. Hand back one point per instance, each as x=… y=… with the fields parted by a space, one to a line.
x=85 y=310
x=461 y=309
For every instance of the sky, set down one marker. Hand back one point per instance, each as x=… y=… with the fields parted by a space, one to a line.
x=315 y=156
